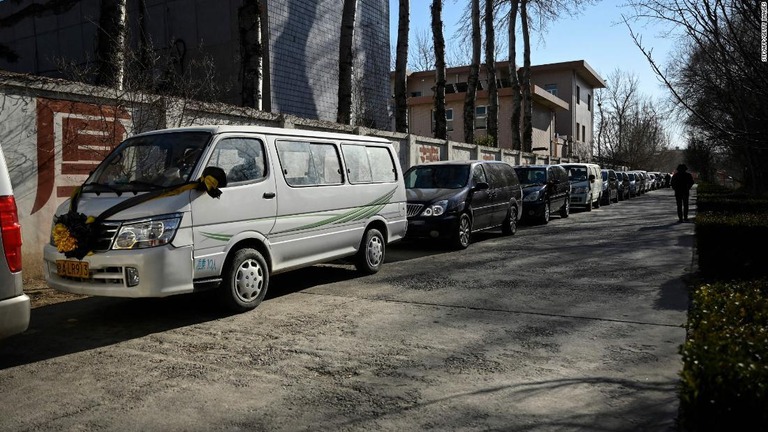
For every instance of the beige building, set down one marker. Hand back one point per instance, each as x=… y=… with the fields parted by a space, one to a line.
x=563 y=112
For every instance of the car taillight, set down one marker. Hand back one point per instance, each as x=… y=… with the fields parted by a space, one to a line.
x=9 y=223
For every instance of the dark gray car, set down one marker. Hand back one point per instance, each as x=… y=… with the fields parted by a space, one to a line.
x=450 y=200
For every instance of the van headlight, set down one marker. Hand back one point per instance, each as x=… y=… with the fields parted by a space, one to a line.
x=147 y=233
x=533 y=196
x=580 y=190
x=435 y=209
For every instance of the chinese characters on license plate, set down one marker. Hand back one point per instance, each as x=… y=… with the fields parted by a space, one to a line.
x=78 y=269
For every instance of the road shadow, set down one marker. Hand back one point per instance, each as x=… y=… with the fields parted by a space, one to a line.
x=93 y=322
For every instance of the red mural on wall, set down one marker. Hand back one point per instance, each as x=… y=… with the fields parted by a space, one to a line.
x=72 y=138
x=429 y=153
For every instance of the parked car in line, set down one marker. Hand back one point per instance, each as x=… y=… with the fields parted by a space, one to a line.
x=14 y=304
x=545 y=189
x=586 y=185
x=610 y=186
x=623 y=185
x=452 y=199
x=641 y=178
x=633 y=184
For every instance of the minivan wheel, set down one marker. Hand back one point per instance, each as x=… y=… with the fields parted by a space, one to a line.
x=565 y=210
x=246 y=279
x=510 y=223
x=370 y=256
x=461 y=240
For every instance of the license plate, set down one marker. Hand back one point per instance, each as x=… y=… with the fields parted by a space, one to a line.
x=78 y=269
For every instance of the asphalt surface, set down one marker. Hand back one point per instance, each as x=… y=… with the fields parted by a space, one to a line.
x=570 y=326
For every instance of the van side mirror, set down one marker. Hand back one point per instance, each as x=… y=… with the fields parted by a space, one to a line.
x=481 y=186
x=592 y=177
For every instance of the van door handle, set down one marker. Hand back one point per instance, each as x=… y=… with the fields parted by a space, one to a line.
x=268 y=195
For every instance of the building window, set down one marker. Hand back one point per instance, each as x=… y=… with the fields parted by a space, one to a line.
x=578 y=94
x=415 y=94
x=551 y=88
x=577 y=132
x=589 y=102
x=584 y=133
x=448 y=119
x=481 y=113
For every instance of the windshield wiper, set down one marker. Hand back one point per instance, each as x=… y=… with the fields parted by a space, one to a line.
x=104 y=186
x=144 y=183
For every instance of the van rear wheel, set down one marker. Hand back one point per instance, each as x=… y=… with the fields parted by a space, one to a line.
x=246 y=279
x=509 y=227
x=370 y=256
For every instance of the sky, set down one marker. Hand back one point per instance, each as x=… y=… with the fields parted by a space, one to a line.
x=597 y=35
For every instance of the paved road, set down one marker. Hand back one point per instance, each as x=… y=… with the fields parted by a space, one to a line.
x=574 y=325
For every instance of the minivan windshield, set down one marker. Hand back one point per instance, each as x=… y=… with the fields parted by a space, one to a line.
x=437 y=177
x=149 y=162
x=529 y=176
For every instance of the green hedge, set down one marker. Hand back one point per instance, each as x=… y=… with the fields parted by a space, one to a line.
x=731 y=229
x=725 y=358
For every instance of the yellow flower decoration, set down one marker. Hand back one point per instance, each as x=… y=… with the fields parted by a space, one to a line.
x=63 y=239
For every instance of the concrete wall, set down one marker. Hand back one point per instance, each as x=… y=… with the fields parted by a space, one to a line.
x=54 y=132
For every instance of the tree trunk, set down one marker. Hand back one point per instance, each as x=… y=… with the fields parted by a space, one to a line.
x=249 y=21
x=474 y=72
x=492 y=119
x=110 y=44
x=514 y=78
x=401 y=66
x=346 y=58
x=527 y=105
x=441 y=131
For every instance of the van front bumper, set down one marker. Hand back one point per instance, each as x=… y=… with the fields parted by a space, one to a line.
x=444 y=227
x=162 y=271
x=14 y=315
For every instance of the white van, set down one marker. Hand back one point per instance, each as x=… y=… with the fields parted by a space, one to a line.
x=288 y=199
x=586 y=185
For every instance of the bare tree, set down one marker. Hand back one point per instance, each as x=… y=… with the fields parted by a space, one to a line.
x=249 y=23
x=110 y=44
x=517 y=96
x=346 y=60
x=401 y=66
x=527 y=103
x=492 y=115
x=719 y=80
x=422 y=57
x=474 y=72
x=439 y=42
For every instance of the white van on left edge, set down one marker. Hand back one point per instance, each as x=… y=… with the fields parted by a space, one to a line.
x=142 y=224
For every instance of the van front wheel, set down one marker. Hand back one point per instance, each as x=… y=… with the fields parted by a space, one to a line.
x=370 y=257
x=246 y=279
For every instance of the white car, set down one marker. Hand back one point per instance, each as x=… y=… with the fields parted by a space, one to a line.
x=14 y=304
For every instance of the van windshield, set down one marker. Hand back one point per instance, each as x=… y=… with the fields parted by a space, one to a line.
x=437 y=177
x=531 y=176
x=576 y=174
x=149 y=162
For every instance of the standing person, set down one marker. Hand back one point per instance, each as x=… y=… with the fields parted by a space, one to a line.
x=682 y=182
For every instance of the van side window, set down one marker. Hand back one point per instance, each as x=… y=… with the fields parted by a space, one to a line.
x=309 y=164
x=478 y=175
x=495 y=176
x=243 y=159
x=368 y=164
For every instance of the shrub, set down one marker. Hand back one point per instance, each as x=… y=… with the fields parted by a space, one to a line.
x=725 y=358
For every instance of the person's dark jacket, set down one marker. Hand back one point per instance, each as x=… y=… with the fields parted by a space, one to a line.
x=682 y=182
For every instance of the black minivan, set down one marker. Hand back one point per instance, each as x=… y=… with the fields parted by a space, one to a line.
x=451 y=199
x=546 y=188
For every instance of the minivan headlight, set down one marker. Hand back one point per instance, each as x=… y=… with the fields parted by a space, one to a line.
x=580 y=189
x=147 y=233
x=533 y=196
x=435 y=209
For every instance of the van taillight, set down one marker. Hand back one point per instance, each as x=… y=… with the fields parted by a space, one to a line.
x=9 y=223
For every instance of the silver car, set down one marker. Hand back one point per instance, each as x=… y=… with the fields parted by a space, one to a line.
x=14 y=304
